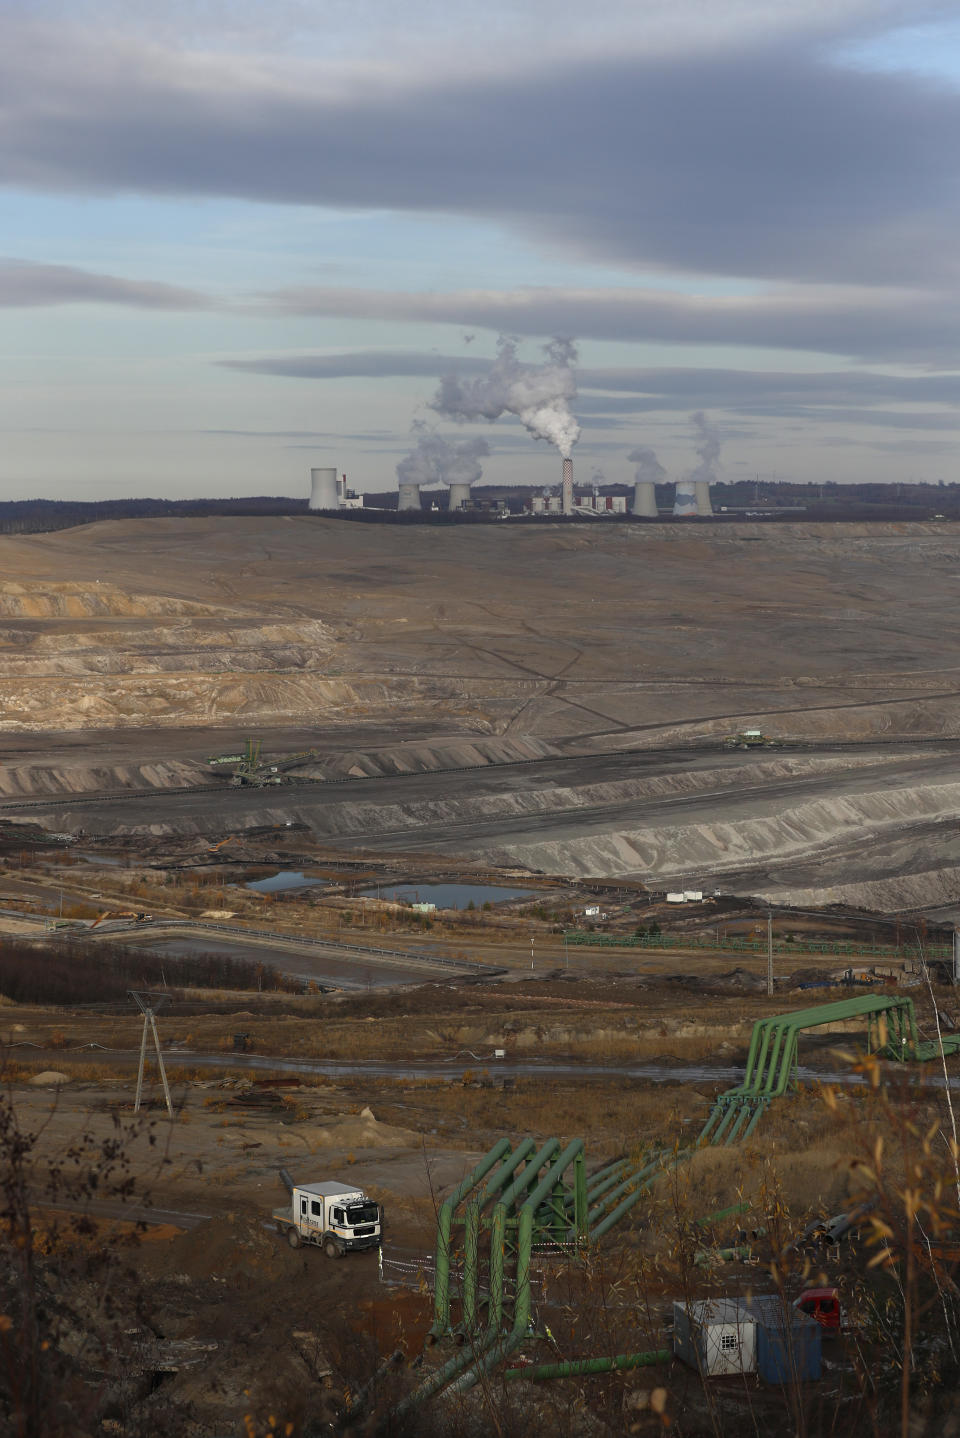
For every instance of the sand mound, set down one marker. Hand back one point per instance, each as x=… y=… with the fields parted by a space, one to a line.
x=50 y=1078
x=354 y=1131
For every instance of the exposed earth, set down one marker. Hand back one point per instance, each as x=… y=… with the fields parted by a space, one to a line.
x=546 y=708
x=549 y=699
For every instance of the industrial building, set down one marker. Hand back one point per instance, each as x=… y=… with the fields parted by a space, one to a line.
x=328 y=491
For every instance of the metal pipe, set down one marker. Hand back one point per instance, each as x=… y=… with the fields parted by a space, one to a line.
x=463 y=1359
x=521 y=1302
x=522 y=1151
x=703 y=1256
x=575 y=1367
x=471 y=1240
x=625 y=1185
x=732 y=1212
x=441 y=1298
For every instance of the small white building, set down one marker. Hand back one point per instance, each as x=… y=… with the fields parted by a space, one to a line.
x=592 y=911
x=715 y=1337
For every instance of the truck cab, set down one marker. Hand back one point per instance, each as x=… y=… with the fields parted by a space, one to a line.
x=823 y=1304
x=331 y=1215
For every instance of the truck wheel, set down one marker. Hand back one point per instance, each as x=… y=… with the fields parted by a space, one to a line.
x=293 y=1238
x=332 y=1248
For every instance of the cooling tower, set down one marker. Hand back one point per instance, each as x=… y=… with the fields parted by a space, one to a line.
x=459 y=496
x=703 y=497
x=409 y=496
x=685 y=502
x=538 y=504
x=644 y=499
x=566 y=488
x=323 y=489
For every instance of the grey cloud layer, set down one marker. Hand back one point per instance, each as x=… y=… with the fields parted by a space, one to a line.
x=847 y=320
x=846 y=396
x=770 y=163
x=25 y=285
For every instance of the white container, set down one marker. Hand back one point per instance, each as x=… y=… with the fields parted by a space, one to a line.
x=693 y=896
x=676 y=898
x=715 y=1337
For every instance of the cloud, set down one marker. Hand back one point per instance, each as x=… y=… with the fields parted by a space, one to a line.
x=763 y=160
x=668 y=388
x=861 y=397
x=884 y=323
x=367 y=364
x=24 y=284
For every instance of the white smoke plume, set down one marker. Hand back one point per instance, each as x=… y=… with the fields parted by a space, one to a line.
x=649 y=468
x=438 y=460
x=539 y=395
x=708 y=448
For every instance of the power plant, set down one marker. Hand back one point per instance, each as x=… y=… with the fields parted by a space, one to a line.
x=324 y=490
x=328 y=491
x=329 y=494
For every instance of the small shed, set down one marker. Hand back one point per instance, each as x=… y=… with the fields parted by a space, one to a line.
x=789 y=1342
x=713 y=1337
x=760 y=1334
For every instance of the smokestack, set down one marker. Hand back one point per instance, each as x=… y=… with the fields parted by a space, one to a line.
x=644 y=499
x=323 y=489
x=409 y=496
x=566 y=487
x=702 y=490
x=459 y=496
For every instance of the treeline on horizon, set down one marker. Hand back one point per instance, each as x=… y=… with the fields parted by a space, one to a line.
x=827 y=500
x=30 y=516
x=71 y=972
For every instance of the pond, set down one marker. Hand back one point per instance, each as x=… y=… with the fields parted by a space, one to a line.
x=286 y=879
x=446 y=896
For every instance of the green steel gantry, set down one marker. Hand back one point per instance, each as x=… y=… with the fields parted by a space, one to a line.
x=525 y=1196
x=772 y=1058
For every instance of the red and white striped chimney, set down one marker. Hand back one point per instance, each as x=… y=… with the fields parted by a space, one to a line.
x=566 y=488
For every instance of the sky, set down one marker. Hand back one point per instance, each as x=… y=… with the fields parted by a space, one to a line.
x=239 y=239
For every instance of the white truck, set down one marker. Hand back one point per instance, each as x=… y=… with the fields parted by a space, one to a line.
x=332 y=1215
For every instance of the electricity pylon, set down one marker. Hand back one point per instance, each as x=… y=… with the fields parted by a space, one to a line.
x=148 y=1005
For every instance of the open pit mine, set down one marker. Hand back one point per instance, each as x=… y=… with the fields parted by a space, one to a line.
x=561 y=701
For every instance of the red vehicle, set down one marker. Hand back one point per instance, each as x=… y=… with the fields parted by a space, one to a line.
x=823 y=1304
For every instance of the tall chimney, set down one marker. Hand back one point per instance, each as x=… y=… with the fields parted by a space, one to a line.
x=566 y=488
x=644 y=499
x=324 y=489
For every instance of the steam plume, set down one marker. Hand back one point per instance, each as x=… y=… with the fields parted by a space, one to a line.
x=436 y=459
x=539 y=395
x=708 y=448
x=649 y=468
